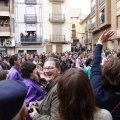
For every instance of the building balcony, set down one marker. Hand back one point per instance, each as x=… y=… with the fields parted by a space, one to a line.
x=31 y=2
x=57 y=38
x=103 y=23
x=56 y=0
x=93 y=25
x=86 y=28
x=31 y=39
x=55 y=17
x=4 y=31
x=93 y=9
x=101 y=20
x=101 y=1
x=30 y=18
x=4 y=10
x=88 y=41
x=89 y=26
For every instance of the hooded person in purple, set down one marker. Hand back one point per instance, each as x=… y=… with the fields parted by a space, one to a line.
x=14 y=72
x=35 y=91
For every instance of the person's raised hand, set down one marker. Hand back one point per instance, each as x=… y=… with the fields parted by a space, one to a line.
x=106 y=36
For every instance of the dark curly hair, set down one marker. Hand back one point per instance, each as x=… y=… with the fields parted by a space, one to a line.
x=27 y=68
x=12 y=59
x=88 y=61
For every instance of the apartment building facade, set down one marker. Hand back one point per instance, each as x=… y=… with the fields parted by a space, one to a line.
x=29 y=26
x=75 y=26
x=42 y=26
x=101 y=20
x=87 y=34
x=105 y=15
x=56 y=32
x=115 y=22
x=7 y=32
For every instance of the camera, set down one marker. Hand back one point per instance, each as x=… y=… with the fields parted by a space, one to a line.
x=30 y=109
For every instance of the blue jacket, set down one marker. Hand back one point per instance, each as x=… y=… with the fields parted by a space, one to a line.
x=87 y=71
x=106 y=99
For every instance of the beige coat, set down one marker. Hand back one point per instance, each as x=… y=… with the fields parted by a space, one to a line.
x=48 y=107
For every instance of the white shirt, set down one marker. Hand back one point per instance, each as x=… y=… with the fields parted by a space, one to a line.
x=102 y=115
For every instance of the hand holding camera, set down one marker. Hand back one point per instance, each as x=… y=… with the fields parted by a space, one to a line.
x=32 y=107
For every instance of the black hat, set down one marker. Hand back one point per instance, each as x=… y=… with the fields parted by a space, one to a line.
x=12 y=97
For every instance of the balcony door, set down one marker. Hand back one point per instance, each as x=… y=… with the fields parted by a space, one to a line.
x=56 y=32
x=56 y=8
x=57 y=29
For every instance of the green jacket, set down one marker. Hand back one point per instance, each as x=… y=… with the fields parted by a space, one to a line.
x=48 y=107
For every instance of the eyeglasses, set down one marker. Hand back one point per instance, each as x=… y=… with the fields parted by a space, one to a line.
x=49 y=68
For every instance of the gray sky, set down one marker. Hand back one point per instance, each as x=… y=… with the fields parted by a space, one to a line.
x=83 y=4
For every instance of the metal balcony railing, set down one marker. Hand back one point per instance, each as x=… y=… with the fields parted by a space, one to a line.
x=56 y=17
x=93 y=25
x=30 y=39
x=101 y=20
x=88 y=40
x=101 y=1
x=33 y=2
x=86 y=28
x=30 y=18
x=93 y=9
x=57 y=38
x=89 y=26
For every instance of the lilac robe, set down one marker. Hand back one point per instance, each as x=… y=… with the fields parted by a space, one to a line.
x=14 y=74
x=35 y=92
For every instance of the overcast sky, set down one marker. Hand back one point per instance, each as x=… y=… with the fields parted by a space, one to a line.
x=83 y=4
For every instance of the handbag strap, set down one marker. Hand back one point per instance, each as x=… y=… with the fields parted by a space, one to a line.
x=115 y=107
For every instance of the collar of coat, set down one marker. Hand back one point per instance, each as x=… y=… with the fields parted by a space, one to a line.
x=52 y=84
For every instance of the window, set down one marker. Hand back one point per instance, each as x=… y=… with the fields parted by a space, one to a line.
x=118 y=21
x=73 y=25
x=73 y=31
x=102 y=16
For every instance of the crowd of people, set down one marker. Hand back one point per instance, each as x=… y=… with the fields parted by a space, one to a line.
x=4 y=23
x=61 y=86
x=28 y=36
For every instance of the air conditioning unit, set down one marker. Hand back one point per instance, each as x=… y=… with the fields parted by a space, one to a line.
x=9 y=42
